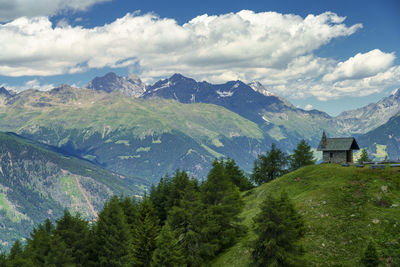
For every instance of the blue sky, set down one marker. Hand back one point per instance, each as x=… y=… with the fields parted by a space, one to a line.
x=328 y=55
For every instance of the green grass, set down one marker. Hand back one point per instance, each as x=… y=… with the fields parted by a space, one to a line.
x=342 y=208
x=129 y=157
x=143 y=149
x=125 y=142
x=69 y=186
x=11 y=212
x=212 y=152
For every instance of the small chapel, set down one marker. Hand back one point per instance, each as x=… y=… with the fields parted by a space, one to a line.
x=337 y=150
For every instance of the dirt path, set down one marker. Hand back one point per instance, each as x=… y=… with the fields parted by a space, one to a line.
x=85 y=196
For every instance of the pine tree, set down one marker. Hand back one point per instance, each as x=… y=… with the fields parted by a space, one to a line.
x=302 y=156
x=145 y=234
x=169 y=192
x=363 y=156
x=237 y=176
x=112 y=235
x=187 y=220
x=278 y=228
x=270 y=166
x=16 y=257
x=179 y=183
x=160 y=197
x=59 y=254
x=130 y=209
x=168 y=252
x=224 y=203
x=370 y=257
x=74 y=233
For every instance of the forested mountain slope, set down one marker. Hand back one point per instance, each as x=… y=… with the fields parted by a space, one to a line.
x=37 y=182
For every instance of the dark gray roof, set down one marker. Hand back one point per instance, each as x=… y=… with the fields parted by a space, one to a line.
x=335 y=144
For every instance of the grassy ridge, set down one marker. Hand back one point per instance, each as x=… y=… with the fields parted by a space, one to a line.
x=101 y=112
x=342 y=208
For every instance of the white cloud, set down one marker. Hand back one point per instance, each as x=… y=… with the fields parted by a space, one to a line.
x=308 y=107
x=31 y=84
x=12 y=9
x=306 y=76
x=361 y=66
x=205 y=45
x=276 y=49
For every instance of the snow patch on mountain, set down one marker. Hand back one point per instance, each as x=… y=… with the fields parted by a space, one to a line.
x=167 y=84
x=224 y=94
x=258 y=87
x=236 y=85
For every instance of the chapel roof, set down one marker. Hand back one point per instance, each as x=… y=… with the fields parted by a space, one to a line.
x=341 y=143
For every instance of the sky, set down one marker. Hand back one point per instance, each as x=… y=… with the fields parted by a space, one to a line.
x=326 y=55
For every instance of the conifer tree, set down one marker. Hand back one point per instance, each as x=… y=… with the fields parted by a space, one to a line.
x=59 y=254
x=363 y=156
x=169 y=192
x=145 y=234
x=160 y=197
x=130 y=209
x=237 y=176
x=3 y=259
x=74 y=233
x=16 y=250
x=302 y=156
x=187 y=220
x=168 y=252
x=370 y=257
x=180 y=183
x=278 y=228
x=270 y=166
x=112 y=235
x=38 y=245
x=224 y=203
x=16 y=257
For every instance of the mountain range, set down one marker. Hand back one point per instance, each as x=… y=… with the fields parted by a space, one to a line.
x=77 y=146
x=131 y=136
x=277 y=117
x=146 y=131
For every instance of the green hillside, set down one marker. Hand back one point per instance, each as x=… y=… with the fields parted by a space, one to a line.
x=342 y=207
x=144 y=138
x=36 y=183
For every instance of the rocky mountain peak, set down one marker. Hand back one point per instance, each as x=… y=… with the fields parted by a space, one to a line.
x=177 y=77
x=5 y=92
x=131 y=85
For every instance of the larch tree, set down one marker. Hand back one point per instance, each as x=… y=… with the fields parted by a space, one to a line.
x=270 y=166
x=302 y=156
x=112 y=235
